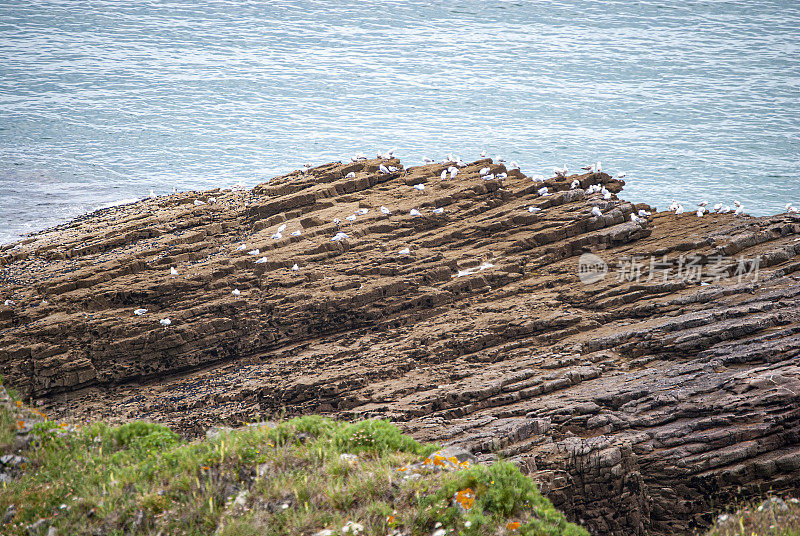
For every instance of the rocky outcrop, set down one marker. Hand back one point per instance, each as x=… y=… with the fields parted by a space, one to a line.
x=639 y=401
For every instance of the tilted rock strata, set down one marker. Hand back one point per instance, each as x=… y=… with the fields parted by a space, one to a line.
x=636 y=404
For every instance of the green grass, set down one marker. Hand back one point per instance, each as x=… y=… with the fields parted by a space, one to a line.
x=287 y=480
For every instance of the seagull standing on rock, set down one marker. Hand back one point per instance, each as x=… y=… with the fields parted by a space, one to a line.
x=165 y=322
x=597 y=212
x=383 y=169
x=420 y=187
x=415 y=212
x=443 y=176
x=140 y=312
x=386 y=211
x=236 y=292
x=173 y=271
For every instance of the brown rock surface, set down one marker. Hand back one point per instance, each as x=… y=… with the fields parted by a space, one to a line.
x=638 y=405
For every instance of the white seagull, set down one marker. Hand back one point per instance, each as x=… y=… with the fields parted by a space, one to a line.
x=542 y=190
x=242 y=247
x=426 y=160
x=597 y=212
x=534 y=209
x=574 y=184
x=262 y=260
x=679 y=209
x=140 y=312
x=622 y=175
x=339 y=236
x=439 y=210
x=173 y=271
x=165 y=322
x=415 y=212
x=483 y=153
x=383 y=169
x=351 y=218
x=362 y=211
x=443 y=176
x=484 y=171
x=236 y=292
x=350 y=175
x=420 y=187
x=254 y=252
x=404 y=251
x=297 y=233
x=386 y=211
x=295 y=268
x=453 y=172
x=488 y=177
x=197 y=202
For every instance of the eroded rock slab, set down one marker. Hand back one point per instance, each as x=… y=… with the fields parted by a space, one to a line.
x=637 y=401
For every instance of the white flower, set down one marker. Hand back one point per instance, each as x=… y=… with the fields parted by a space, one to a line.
x=468 y=524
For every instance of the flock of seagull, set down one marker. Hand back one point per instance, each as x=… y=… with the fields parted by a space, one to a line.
x=454 y=163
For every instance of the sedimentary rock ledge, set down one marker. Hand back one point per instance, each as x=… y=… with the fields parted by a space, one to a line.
x=638 y=403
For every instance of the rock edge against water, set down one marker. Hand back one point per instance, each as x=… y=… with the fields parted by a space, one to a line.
x=639 y=406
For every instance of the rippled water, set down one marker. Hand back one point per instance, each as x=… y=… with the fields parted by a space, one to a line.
x=102 y=101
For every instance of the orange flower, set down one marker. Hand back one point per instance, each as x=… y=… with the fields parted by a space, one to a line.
x=513 y=526
x=403 y=469
x=21 y=424
x=204 y=467
x=390 y=519
x=452 y=459
x=464 y=464
x=427 y=461
x=438 y=460
x=19 y=403
x=465 y=498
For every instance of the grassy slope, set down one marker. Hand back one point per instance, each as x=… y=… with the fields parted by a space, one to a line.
x=287 y=480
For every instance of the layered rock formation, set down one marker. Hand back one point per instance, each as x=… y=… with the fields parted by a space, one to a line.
x=638 y=403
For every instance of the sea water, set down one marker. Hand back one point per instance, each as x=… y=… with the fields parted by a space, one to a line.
x=102 y=101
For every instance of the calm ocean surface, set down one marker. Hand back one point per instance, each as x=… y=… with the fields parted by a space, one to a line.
x=101 y=101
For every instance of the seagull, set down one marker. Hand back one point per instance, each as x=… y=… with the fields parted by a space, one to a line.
x=336 y=221
x=165 y=322
x=152 y=194
x=140 y=312
x=700 y=212
x=236 y=292
x=737 y=204
x=439 y=210
x=427 y=160
x=606 y=194
x=679 y=210
x=415 y=212
x=635 y=218
x=488 y=177
x=391 y=151
x=483 y=153
x=703 y=204
x=643 y=213
x=590 y=167
x=461 y=163
x=792 y=209
x=197 y=202
x=574 y=184
x=339 y=236
x=362 y=211
x=351 y=218
x=212 y=199
x=443 y=176
x=392 y=169
x=622 y=175
x=8 y=302
x=278 y=235
x=421 y=187
x=501 y=176
x=386 y=211
x=404 y=251
x=262 y=260
x=350 y=175
x=499 y=159
x=739 y=210
x=725 y=209
x=453 y=172
x=254 y=252
x=597 y=212
x=534 y=209
x=173 y=271
x=542 y=190
x=674 y=206
x=242 y=247
x=295 y=268
x=560 y=172
x=484 y=171
x=297 y=232
x=717 y=207
x=512 y=165
x=383 y=169
x=537 y=178
x=598 y=167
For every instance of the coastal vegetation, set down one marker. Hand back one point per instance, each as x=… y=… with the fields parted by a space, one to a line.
x=308 y=475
